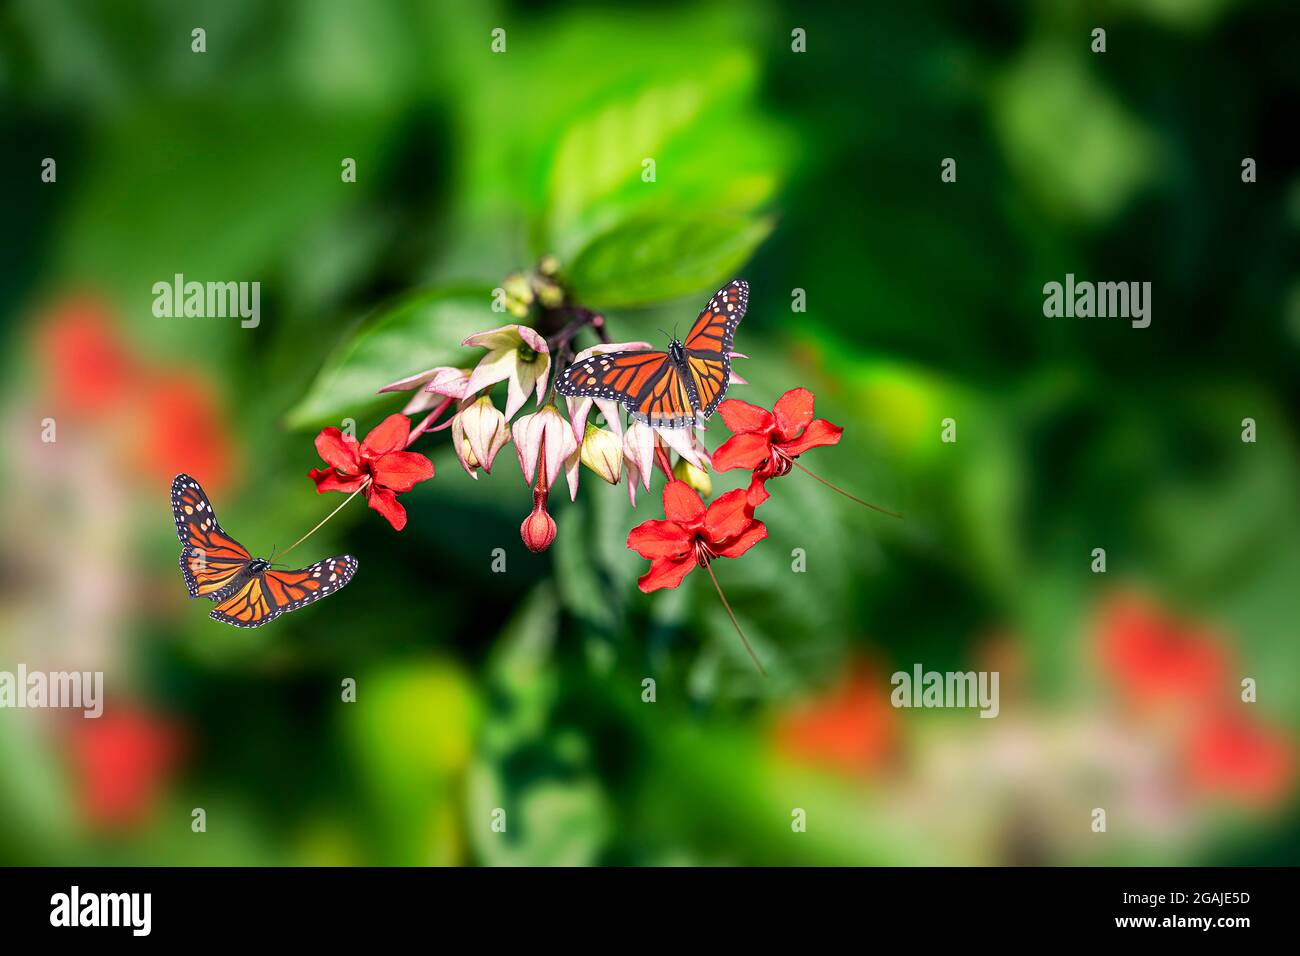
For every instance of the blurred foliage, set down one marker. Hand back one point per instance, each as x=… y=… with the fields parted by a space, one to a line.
x=815 y=171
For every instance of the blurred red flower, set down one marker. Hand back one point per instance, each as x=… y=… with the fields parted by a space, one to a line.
x=1229 y=755
x=90 y=369
x=1158 y=661
x=768 y=442
x=182 y=430
x=378 y=464
x=160 y=422
x=1155 y=658
x=849 y=727
x=692 y=535
x=121 y=763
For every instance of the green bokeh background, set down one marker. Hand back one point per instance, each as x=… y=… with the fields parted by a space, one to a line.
x=816 y=171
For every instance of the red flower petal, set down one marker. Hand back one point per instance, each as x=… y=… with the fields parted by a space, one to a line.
x=327 y=479
x=665 y=573
x=683 y=505
x=793 y=411
x=388 y=436
x=386 y=503
x=659 y=539
x=400 y=470
x=339 y=450
x=727 y=517
x=820 y=432
x=742 y=451
x=757 y=491
x=742 y=417
x=751 y=536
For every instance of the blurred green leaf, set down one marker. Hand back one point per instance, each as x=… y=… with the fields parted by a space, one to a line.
x=596 y=174
x=1076 y=146
x=577 y=576
x=420 y=331
x=560 y=821
x=537 y=774
x=411 y=733
x=648 y=261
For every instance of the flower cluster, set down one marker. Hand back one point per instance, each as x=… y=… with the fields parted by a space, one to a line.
x=553 y=439
x=766 y=443
x=549 y=442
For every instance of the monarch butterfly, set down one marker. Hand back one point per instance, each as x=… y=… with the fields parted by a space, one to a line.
x=247 y=591
x=670 y=389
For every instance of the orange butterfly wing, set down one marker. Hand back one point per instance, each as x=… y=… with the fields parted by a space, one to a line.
x=662 y=389
x=265 y=596
x=709 y=344
x=211 y=560
x=646 y=382
x=667 y=402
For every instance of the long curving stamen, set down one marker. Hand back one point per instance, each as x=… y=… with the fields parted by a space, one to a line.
x=709 y=567
x=892 y=514
x=364 y=485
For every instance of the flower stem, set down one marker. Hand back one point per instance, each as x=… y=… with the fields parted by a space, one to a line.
x=661 y=458
x=892 y=514
x=428 y=420
x=560 y=343
x=582 y=318
x=708 y=566
x=364 y=485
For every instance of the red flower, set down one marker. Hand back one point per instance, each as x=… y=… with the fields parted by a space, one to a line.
x=181 y=427
x=89 y=363
x=1162 y=663
x=693 y=536
x=379 y=464
x=122 y=762
x=1229 y=755
x=1157 y=659
x=768 y=442
x=849 y=727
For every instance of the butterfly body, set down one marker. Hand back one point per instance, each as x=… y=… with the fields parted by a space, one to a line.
x=674 y=389
x=248 y=592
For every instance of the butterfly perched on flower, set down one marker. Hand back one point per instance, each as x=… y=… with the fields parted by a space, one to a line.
x=247 y=590
x=670 y=389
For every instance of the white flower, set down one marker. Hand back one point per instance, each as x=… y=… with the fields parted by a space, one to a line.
x=478 y=432
x=517 y=355
x=543 y=438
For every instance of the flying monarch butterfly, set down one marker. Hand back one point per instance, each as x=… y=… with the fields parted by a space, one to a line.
x=670 y=389
x=247 y=590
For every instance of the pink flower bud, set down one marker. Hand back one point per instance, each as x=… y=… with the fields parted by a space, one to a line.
x=538 y=529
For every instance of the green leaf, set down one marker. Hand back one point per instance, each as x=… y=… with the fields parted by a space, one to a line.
x=648 y=261
x=577 y=577
x=410 y=739
x=1069 y=138
x=560 y=818
x=420 y=331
